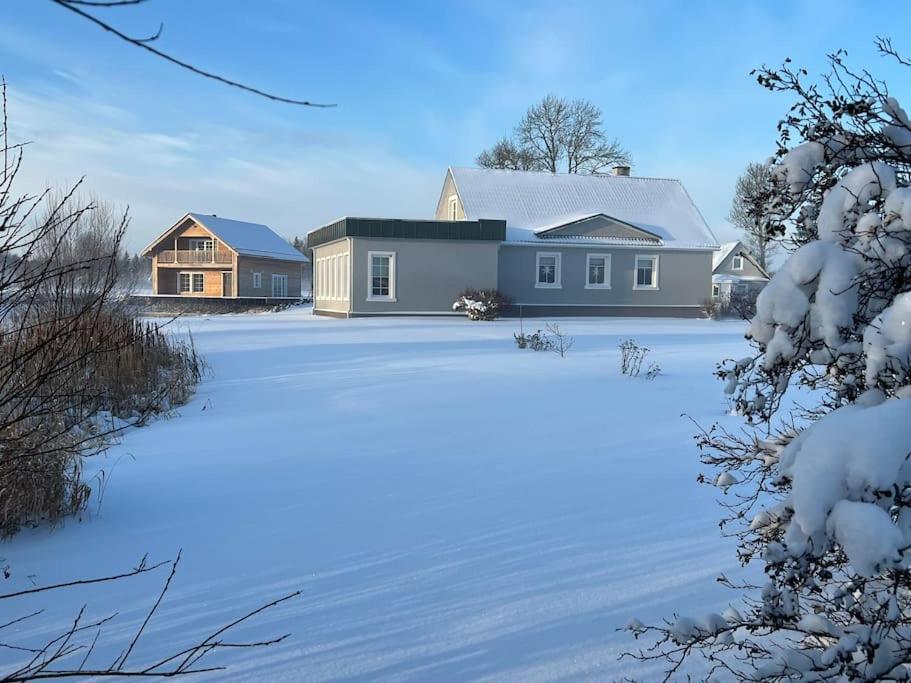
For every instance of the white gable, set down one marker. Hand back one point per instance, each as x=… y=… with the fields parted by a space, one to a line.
x=529 y=201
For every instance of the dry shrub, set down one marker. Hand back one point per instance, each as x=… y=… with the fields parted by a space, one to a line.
x=82 y=381
x=77 y=366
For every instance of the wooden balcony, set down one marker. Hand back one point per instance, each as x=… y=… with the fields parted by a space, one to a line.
x=194 y=257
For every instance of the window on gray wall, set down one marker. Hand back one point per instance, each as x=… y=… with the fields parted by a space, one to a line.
x=646 y=272
x=597 y=271
x=547 y=267
x=382 y=275
x=257 y=280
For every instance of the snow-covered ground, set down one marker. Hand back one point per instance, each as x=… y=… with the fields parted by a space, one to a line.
x=452 y=508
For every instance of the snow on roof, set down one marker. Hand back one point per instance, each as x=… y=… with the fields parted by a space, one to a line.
x=725 y=251
x=529 y=201
x=738 y=278
x=249 y=239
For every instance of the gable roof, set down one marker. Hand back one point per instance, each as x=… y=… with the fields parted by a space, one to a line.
x=247 y=239
x=529 y=201
x=719 y=256
x=727 y=249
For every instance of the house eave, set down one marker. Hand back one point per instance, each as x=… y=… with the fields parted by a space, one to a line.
x=588 y=243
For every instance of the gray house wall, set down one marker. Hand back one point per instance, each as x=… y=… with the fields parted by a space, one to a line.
x=428 y=276
x=683 y=278
x=726 y=267
x=247 y=265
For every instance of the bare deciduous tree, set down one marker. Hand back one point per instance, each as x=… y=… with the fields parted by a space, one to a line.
x=507 y=155
x=748 y=213
x=70 y=654
x=543 y=131
x=557 y=134
x=72 y=353
x=587 y=148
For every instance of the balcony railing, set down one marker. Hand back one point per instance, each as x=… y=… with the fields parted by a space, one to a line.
x=194 y=257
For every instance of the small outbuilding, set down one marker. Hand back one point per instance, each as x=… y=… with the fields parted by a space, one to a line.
x=204 y=255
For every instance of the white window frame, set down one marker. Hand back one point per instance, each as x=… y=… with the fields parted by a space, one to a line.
x=280 y=278
x=392 y=268
x=257 y=280
x=654 y=259
x=716 y=291
x=337 y=277
x=737 y=263
x=558 y=270
x=346 y=275
x=206 y=244
x=453 y=208
x=607 y=269
x=191 y=274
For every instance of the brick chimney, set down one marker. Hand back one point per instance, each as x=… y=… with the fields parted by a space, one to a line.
x=620 y=170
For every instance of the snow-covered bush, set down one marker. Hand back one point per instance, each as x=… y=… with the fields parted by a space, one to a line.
x=481 y=304
x=822 y=498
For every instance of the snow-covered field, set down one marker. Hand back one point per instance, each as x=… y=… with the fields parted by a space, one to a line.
x=451 y=508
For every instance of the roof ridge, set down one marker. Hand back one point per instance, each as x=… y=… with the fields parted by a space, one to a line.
x=564 y=174
x=225 y=218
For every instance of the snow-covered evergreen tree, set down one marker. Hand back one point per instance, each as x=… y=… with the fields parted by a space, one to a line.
x=821 y=497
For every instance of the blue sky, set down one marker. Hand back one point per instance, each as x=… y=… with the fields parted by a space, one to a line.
x=419 y=86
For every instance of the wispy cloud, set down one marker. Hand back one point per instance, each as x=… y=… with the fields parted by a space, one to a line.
x=292 y=179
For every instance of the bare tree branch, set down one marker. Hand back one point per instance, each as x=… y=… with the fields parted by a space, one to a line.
x=143 y=43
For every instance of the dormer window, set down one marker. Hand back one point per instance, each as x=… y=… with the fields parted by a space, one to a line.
x=453 y=208
x=738 y=263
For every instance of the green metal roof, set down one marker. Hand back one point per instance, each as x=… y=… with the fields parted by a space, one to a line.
x=398 y=228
